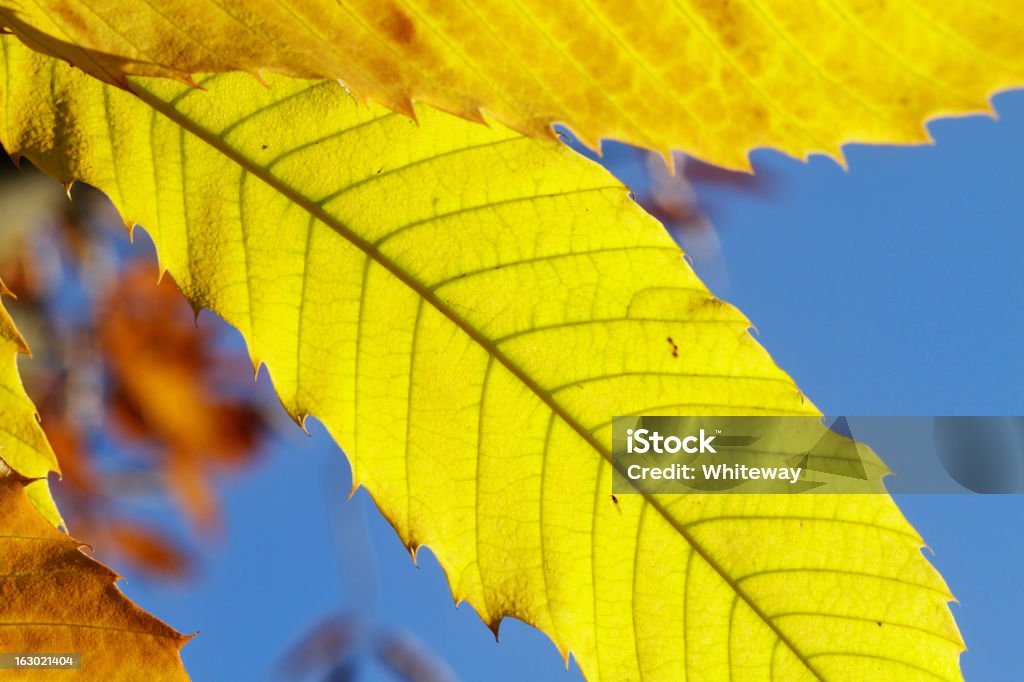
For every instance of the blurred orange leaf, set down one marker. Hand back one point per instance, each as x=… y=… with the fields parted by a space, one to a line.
x=165 y=389
x=149 y=548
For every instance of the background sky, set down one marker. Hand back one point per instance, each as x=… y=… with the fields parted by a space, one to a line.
x=891 y=288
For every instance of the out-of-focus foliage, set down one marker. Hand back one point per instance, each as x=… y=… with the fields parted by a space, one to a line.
x=465 y=309
x=55 y=599
x=715 y=79
x=138 y=401
x=170 y=388
x=339 y=647
x=353 y=643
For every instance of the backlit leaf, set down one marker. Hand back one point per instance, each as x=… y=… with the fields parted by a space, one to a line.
x=714 y=79
x=465 y=309
x=22 y=443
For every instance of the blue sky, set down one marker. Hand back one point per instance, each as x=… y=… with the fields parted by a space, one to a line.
x=891 y=288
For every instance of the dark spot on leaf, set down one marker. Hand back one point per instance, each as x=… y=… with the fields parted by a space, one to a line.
x=675 y=348
x=399 y=27
x=71 y=16
x=615 y=499
x=263 y=146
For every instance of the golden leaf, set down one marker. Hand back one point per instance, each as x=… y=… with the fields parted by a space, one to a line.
x=714 y=79
x=465 y=309
x=56 y=599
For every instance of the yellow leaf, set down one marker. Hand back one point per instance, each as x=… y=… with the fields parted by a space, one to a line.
x=715 y=79
x=466 y=309
x=54 y=599
x=23 y=444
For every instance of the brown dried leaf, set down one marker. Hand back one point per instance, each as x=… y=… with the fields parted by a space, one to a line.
x=56 y=599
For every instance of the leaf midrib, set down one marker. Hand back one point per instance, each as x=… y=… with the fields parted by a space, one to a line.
x=373 y=252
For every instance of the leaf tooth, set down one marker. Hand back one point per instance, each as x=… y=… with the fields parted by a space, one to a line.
x=258 y=75
x=476 y=115
x=586 y=139
x=669 y=157
x=494 y=624
x=399 y=102
x=838 y=155
x=257 y=364
x=408 y=107
x=197 y=308
x=299 y=416
x=188 y=80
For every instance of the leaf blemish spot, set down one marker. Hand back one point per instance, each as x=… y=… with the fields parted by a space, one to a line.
x=675 y=347
x=399 y=26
